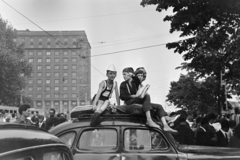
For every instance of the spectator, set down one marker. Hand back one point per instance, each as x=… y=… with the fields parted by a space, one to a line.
x=41 y=123
x=211 y=117
x=203 y=137
x=222 y=137
x=235 y=139
x=52 y=120
x=236 y=117
x=185 y=134
x=24 y=114
x=232 y=125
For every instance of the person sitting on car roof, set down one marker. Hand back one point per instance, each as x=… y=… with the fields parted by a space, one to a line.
x=128 y=90
x=24 y=114
x=105 y=90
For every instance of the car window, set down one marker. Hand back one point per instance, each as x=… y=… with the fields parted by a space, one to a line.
x=68 y=138
x=55 y=156
x=25 y=158
x=143 y=140
x=98 y=140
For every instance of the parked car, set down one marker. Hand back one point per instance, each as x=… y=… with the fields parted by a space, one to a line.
x=21 y=142
x=125 y=137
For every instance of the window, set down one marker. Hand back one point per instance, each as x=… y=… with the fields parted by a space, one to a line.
x=74 y=74
x=57 y=60
x=48 y=67
x=74 y=66
x=39 y=95
x=30 y=53
x=74 y=103
x=65 y=60
x=39 y=81
x=65 y=67
x=74 y=88
x=39 y=89
x=39 y=67
x=74 y=53
x=56 y=53
x=48 y=53
x=65 y=80
x=65 y=95
x=30 y=60
x=47 y=88
x=56 y=74
x=143 y=140
x=65 y=53
x=65 y=104
x=65 y=74
x=48 y=74
x=39 y=103
x=30 y=89
x=39 y=74
x=74 y=81
x=56 y=67
x=98 y=140
x=31 y=74
x=48 y=81
x=74 y=95
x=47 y=95
x=65 y=88
x=56 y=88
x=39 y=60
x=30 y=95
x=48 y=60
x=55 y=156
x=39 y=53
x=30 y=81
x=56 y=95
x=68 y=138
x=56 y=81
x=74 y=60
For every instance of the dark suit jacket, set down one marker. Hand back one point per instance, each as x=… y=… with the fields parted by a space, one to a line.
x=185 y=134
x=222 y=140
x=203 y=138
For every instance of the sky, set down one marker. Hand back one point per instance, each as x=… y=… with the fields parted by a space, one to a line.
x=111 y=26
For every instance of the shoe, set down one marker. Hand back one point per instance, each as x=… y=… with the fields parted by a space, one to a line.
x=152 y=124
x=94 y=118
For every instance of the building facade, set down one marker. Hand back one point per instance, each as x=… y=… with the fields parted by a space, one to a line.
x=61 y=62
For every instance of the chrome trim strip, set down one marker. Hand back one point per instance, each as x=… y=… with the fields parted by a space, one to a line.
x=29 y=148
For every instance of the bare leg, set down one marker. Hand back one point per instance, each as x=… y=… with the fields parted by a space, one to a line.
x=150 y=122
x=99 y=104
x=166 y=127
x=104 y=106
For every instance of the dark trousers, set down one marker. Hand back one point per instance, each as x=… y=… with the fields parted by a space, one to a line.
x=155 y=109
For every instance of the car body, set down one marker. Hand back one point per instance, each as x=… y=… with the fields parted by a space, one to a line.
x=125 y=137
x=22 y=142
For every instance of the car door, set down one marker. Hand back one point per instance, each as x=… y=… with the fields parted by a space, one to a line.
x=101 y=143
x=141 y=143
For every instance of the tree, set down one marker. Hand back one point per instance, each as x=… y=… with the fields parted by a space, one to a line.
x=211 y=45
x=14 y=69
x=195 y=95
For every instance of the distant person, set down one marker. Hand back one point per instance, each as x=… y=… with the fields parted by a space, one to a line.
x=24 y=113
x=236 y=116
x=185 y=134
x=203 y=138
x=235 y=139
x=222 y=134
x=41 y=123
x=52 y=120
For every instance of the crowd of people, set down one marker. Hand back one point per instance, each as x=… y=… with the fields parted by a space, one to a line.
x=24 y=117
x=208 y=130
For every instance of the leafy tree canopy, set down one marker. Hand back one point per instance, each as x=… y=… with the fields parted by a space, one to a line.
x=210 y=28
x=13 y=67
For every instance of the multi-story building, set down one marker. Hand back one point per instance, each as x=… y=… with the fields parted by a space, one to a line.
x=61 y=62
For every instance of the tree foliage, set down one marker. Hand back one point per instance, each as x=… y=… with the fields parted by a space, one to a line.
x=14 y=69
x=195 y=95
x=211 y=45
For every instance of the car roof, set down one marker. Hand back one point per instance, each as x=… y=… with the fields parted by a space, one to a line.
x=104 y=120
x=18 y=136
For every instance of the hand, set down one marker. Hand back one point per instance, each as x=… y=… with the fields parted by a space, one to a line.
x=94 y=107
